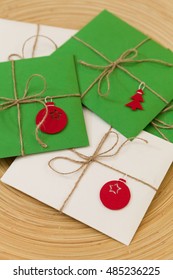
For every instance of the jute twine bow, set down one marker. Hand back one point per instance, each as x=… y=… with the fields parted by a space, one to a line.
x=10 y=102
x=159 y=124
x=85 y=161
x=126 y=57
x=22 y=56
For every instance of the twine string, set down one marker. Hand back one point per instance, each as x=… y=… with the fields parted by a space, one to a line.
x=22 y=56
x=127 y=56
x=35 y=42
x=159 y=124
x=85 y=161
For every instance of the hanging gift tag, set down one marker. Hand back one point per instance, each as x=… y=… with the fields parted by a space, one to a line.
x=115 y=195
x=137 y=98
x=56 y=119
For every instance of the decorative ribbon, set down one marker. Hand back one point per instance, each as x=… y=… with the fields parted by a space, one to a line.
x=126 y=57
x=85 y=161
x=22 y=56
x=159 y=124
x=10 y=102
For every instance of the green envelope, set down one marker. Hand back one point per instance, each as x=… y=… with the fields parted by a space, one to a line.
x=114 y=38
x=61 y=82
x=162 y=125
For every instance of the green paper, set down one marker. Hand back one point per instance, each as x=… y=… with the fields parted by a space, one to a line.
x=112 y=36
x=167 y=118
x=60 y=76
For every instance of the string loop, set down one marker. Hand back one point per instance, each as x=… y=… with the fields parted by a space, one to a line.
x=22 y=56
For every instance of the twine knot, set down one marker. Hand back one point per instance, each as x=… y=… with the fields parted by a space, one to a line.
x=91 y=159
x=17 y=101
x=22 y=100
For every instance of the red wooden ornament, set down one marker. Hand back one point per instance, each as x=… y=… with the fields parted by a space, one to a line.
x=55 y=121
x=137 y=98
x=115 y=195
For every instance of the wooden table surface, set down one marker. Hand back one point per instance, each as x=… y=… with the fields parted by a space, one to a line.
x=32 y=230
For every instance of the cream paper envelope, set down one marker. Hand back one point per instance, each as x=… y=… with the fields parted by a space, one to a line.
x=145 y=161
x=13 y=35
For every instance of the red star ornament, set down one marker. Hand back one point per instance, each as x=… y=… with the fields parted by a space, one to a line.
x=55 y=121
x=115 y=195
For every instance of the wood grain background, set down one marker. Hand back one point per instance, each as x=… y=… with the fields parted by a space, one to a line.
x=31 y=230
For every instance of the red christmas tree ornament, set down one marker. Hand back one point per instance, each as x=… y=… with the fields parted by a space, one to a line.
x=115 y=194
x=137 y=98
x=56 y=119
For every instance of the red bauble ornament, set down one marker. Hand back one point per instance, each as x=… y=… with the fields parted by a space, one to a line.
x=55 y=121
x=137 y=98
x=115 y=195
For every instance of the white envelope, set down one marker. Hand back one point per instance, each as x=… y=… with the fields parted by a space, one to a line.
x=145 y=161
x=13 y=35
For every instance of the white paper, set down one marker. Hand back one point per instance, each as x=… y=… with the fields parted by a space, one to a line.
x=148 y=162
x=13 y=35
